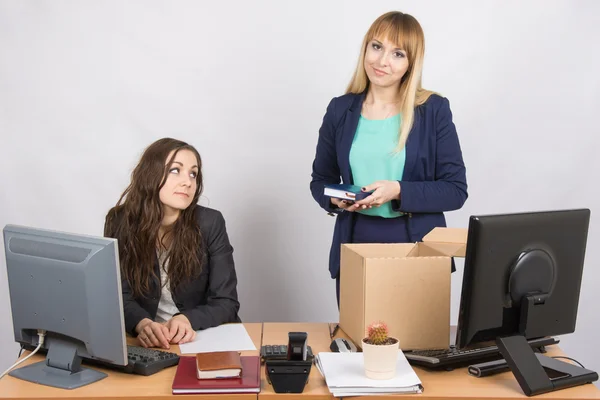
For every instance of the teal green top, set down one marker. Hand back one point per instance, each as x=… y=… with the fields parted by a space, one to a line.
x=372 y=157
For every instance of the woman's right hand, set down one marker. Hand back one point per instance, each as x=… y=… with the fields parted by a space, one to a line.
x=346 y=205
x=153 y=334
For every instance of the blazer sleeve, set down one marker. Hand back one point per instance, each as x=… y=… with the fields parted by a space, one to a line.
x=449 y=189
x=325 y=169
x=133 y=312
x=222 y=304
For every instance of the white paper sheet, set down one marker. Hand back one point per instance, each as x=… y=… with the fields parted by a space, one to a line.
x=344 y=372
x=228 y=337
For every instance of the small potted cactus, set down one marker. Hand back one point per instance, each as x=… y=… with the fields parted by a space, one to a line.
x=380 y=352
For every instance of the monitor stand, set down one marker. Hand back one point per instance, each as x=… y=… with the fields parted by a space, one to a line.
x=61 y=368
x=537 y=373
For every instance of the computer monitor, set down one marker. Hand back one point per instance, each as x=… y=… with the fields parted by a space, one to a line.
x=522 y=278
x=69 y=286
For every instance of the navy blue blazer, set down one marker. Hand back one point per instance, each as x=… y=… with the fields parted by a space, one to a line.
x=434 y=178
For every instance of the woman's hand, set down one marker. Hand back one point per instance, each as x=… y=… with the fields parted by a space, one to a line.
x=345 y=205
x=153 y=334
x=383 y=191
x=180 y=329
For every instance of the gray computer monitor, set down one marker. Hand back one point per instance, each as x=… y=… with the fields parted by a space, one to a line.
x=69 y=286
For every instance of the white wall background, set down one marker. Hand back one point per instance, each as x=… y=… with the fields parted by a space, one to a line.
x=85 y=86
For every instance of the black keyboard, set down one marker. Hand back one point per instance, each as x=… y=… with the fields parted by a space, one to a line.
x=279 y=352
x=144 y=361
x=141 y=361
x=455 y=358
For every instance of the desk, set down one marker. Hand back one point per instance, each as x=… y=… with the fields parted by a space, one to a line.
x=118 y=385
x=440 y=385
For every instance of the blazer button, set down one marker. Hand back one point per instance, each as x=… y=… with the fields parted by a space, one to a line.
x=154 y=298
x=179 y=305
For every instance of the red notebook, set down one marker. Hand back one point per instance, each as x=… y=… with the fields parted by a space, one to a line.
x=186 y=381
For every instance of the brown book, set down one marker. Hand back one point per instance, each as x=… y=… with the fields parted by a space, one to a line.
x=218 y=364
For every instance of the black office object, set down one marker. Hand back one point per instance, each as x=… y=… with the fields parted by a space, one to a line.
x=144 y=361
x=454 y=357
x=297 y=347
x=279 y=352
x=522 y=279
x=537 y=373
x=140 y=360
x=489 y=368
x=290 y=375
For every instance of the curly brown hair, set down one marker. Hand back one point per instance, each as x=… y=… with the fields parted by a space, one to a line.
x=136 y=218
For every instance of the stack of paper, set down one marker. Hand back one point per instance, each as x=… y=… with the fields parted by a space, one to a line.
x=344 y=374
x=227 y=337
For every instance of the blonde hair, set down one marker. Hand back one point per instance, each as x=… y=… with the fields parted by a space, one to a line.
x=406 y=32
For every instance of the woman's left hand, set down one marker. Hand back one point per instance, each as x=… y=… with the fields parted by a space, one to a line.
x=180 y=329
x=383 y=191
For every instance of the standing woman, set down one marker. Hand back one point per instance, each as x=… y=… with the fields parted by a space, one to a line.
x=393 y=138
x=177 y=268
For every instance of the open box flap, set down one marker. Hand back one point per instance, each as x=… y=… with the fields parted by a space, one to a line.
x=450 y=241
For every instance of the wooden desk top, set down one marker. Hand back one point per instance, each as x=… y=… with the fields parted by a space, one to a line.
x=118 y=385
x=457 y=384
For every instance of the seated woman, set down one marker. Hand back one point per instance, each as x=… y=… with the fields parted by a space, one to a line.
x=177 y=268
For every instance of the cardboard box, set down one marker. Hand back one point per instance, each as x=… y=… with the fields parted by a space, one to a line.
x=405 y=285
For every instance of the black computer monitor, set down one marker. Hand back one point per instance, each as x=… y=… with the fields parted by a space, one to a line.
x=522 y=279
x=69 y=287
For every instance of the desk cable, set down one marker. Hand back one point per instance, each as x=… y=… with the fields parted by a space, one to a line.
x=570 y=359
x=41 y=337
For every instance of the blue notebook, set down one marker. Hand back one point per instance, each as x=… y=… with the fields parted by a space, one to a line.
x=345 y=192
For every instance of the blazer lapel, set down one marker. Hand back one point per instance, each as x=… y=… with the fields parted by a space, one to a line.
x=348 y=132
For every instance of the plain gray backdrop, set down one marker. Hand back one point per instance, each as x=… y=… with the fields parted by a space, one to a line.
x=85 y=86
